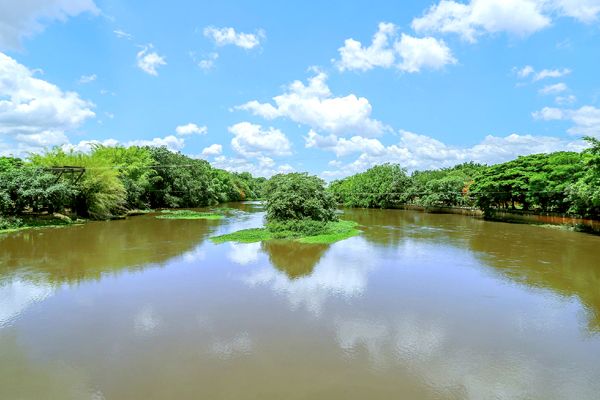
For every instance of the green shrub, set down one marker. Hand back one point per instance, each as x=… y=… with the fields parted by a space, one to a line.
x=296 y=228
x=10 y=223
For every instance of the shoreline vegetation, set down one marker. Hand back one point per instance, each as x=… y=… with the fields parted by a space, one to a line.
x=188 y=214
x=114 y=182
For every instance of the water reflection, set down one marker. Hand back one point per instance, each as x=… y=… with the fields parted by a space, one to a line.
x=417 y=307
x=293 y=258
x=243 y=253
x=79 y=253
x=316 y=274
x=560 y=261
x=17 y=296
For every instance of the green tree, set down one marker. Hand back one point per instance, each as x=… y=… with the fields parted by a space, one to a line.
x=584 y=195
x=25 y=188
x=298 y=196
x=382 y=186
x=100 y=193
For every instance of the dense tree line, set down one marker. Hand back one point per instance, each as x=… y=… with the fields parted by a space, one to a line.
x=560 y=182
x=117 y=179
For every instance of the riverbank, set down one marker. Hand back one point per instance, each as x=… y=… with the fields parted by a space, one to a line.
x=516 y=216
x=25 y=222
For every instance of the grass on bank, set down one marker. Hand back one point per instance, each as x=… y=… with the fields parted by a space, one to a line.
x=16 y=224
x=188 y=214
x=329 y=233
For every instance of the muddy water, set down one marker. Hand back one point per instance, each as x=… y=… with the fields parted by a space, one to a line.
x=419 y=306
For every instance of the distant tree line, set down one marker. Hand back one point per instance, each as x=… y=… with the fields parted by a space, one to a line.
x=561 y=182
x=117 y=179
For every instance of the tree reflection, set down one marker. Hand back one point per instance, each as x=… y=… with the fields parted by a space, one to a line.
x=293 y=258
x=78 y=253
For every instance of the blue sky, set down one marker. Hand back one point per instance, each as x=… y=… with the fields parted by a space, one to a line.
x=326 y=87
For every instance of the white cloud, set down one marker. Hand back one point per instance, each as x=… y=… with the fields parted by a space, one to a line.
x=516 y=17
x=228 y=36
x=379 y=54
x=314 y=105
x=148 y=61
x=585 y=11
x=85 y=146
x=122 y=34
x=212 y=150
x=554 y=89
x=87 y=78
x=528 y=70
x=341 y=146
x=551 y=73
x=409 y=54
x=35 y=113
x=191 y=129
x=22 y=19
x=419 y=152
x=251 y=140
x=586 y=119
x=427 y=52
x=172 y=143
x=264 y=166
x=525 y=71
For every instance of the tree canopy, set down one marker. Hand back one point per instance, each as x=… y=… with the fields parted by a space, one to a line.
x=298 y=196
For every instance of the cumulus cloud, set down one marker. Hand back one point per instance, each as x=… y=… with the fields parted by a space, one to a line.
x=407 y=53
x=427 y=52
x=353 y=56
x=419 y=152
x=148 y=60
x=251 y=140
x=263 y=166
x=212 y=150
x=341 y=146
x=516 y=17
x=228 y=36
x=191 y=129
x=171 y=142
x=22 y=19
x=85 y=146
x=35 y=113
x=586 y=119
x=314 y=105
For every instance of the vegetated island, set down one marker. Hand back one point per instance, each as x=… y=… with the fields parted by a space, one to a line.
x=298 y=208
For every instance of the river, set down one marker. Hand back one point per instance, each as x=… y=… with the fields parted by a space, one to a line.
x=419 y=306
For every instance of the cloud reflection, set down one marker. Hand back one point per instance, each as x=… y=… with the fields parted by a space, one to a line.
x=342 y=272
x=17 y=296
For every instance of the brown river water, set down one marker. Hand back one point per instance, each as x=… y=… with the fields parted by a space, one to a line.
x=419 y=306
